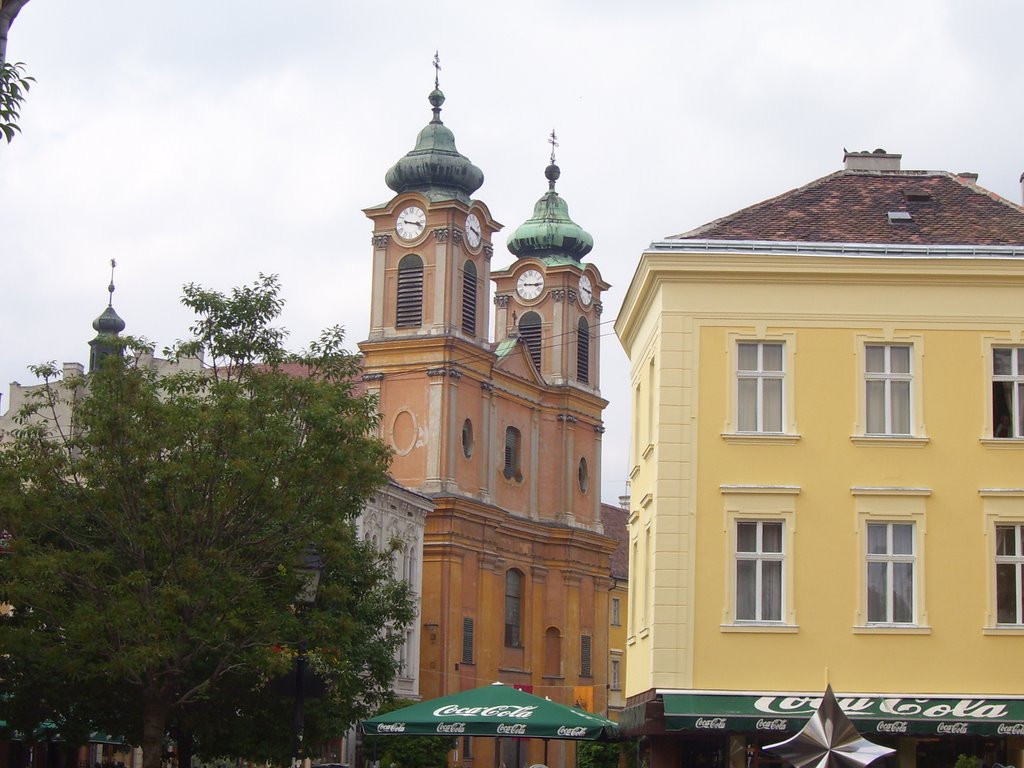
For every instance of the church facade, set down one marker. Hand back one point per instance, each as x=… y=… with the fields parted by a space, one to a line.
x=503 y=435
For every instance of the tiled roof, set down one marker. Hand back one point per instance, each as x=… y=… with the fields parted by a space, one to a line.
x=854 y=207
x=614 y=519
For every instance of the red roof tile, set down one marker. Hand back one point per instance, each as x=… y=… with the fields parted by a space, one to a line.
x=614 y=519
x=854 y=207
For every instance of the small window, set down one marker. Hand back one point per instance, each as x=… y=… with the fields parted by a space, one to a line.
x=1007 y=392
x=409 y=311
x=467 y=640
x=530 y=333
x=585 y=658
x=583 y=475
x=583 y=351
x=1009 y=574
x=513 y=608
x=467 y=438
x=513 y=440
x=469 y=298
x=887 y=380
x=760 y=376
x=615 y=677
x=759 y=561
x=616 y=612
x=890 y=573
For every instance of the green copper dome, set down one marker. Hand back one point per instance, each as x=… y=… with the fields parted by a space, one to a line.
x=550 y=231
x=435 y=167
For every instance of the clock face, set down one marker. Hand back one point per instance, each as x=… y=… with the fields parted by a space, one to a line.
x=473 y=230
x=586 y=291
x=410 y=223
x=530 y=284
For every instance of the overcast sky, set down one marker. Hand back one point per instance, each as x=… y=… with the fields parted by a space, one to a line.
x=210 y=140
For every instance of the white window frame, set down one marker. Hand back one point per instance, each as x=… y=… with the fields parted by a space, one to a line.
x=888 y=378
x=1016 y=380
x=761 y=375
x=760 y=504
x=917 y=435
x=760 y=557
x=890 y=559
x=900 y=505
x=761 y=337
x=1002 y=507
x=1017 y=561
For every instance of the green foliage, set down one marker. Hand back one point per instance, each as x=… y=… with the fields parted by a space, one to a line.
x=599 y=754
x=14 y=85
x=407 y=751
x=967 y=761
x=157 y=519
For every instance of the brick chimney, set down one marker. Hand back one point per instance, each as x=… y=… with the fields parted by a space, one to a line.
x=879 y=161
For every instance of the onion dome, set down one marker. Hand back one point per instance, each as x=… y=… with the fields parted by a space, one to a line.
x=550 y=232
x=435 y=167
x=107 y=326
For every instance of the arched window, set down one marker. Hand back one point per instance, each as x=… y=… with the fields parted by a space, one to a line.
x=529 y=332
x=513 y=608
x=583 y=351
x=513 y=451
x=410 y=292
x=469 y=298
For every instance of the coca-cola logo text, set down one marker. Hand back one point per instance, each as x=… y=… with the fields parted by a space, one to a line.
x=451 y=727
x=712 y=723
x=778 y=724
x=1008 y=729
x=896 y=726
x=511 y=729
x=955 y=728
x=500 y=710
x=391 y=728
x=573 y=732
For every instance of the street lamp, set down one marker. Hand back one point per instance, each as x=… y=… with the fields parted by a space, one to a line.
x=309 y=575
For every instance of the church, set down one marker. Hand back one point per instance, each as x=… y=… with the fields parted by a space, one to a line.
x=503 y=435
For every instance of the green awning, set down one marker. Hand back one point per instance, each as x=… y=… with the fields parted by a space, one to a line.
x=893 y=715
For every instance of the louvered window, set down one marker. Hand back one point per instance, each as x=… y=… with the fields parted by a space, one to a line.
x=513 y=438
x=585 y=643
x=467 y=640
x=529 y=332
x=469 y=298
x=583 y=351
x=410 y=292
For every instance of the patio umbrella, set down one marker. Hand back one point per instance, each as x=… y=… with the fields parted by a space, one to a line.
x=493 y=710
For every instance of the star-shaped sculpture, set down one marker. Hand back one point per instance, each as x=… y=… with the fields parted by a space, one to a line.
x=829 y=740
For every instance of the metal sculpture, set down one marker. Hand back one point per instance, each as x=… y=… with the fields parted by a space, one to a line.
x=829 y=740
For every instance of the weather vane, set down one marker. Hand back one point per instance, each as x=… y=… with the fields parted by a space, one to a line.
x=437 y=70
x=553 y=141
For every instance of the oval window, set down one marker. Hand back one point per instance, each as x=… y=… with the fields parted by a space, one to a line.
x=584 y=475
x=467 y=438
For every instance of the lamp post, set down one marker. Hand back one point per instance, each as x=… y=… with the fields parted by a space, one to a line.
x=309 y=573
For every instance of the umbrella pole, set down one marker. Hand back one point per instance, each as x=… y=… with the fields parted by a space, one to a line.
x=546 y=742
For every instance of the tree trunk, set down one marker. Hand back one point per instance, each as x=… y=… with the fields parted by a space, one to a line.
x=154 y=728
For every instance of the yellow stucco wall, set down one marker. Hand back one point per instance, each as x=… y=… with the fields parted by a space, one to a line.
x=692 y=476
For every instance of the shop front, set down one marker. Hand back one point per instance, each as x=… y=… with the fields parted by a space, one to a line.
x=729 y=730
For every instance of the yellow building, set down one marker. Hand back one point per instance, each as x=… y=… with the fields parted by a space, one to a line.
x=828 y=472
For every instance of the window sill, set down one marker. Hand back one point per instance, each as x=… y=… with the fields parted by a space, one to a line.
x=891 y=629
x=777 y=438
x=753 y=626
x=890 y=441
x=648 y=451
x=1013 y=443
x=1004 y=629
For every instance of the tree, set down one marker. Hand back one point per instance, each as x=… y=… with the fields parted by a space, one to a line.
x=407 y=751
x=157 y=537
x=14 y=83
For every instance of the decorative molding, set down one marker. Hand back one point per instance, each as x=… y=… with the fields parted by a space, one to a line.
x=752 y=438
x=373 y=376
x=558 y=294
x=457 y=236
x=501 y=299
x=572 y=295
x=598 y=308
x=435 y=372
x=488 y=251
x=486 y=386
x=759 y=489
x=885 y=490
x=599 y=428
x=455 y=374
x=567 y=418
x=441 y=234
x=380 y=241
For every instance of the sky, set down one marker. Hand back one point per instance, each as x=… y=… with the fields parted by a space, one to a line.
x=209 y=141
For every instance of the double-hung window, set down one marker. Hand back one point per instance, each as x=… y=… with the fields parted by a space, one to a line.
x=759 y=561
x=1009 y=574
x=1008 y=392
x=759 y=386
x=887 y=382
x=891 y=562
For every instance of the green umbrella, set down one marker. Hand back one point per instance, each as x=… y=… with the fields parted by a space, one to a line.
x=493 y=710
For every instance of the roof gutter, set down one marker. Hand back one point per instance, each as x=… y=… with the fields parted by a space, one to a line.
x=842 y=250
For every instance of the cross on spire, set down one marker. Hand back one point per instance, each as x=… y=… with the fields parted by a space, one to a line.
x=110 y=288
x=553 y=141
x=437 y=70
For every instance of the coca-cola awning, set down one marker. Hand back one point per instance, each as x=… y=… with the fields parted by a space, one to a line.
x=886 y=714
x=493 y=710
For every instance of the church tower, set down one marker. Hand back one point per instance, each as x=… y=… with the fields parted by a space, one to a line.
x=506 y=444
